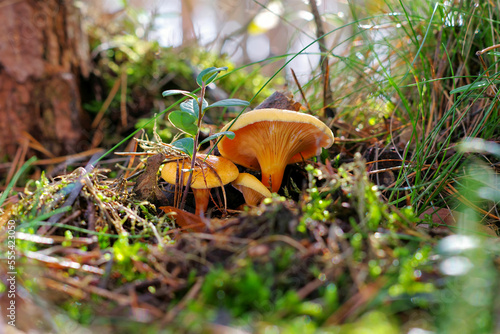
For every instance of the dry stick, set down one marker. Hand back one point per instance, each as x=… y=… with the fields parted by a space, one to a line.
x=327 y=94
x=360 y=140
x=62 y=263
x=72 y=216
x=64 y=288
x=55 y=239
x=309 y=288
x=131 y=161
x=24 y=147
x=13 y=166
x=354 y=304
x=178 y=183
x=136 y=154
x=220 y=182
x=193 y=158
x=18 y=161
x=72 y=191
x=177 y=308
x=36 y=145
x=301 y=91
x=123 y=98
x=452 y=191
x=106 y=103
x=480 y=54
x=98 y=135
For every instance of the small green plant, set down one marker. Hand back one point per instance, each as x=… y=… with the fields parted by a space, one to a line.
x=189 y=118
x=125 y=254
x=410 y=272
x=316 y=209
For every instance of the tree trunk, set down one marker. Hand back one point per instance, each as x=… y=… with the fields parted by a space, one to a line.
x=43 y=55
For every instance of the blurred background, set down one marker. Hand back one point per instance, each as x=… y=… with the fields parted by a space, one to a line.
x=83 y=75
x=247 y=31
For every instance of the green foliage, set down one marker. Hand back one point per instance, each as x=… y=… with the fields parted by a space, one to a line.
x=16 y=177
x=103 y=239
x=238 y=80
x=189 y=118
x=374 y=322
x=184 y=121
x=316 y=207
x=125 y=254
x=162 y=129
x=471 y=277
x=264 y=289
x=410 y=272
x=359 y=194
x=239 y=292
x=79 y=311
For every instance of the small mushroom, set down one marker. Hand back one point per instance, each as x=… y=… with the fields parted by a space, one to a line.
x=252 y=189
x=270 y=139
x=210 y=173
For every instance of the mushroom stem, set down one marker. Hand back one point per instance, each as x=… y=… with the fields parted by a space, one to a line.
x=272 y=177
x=201 y=198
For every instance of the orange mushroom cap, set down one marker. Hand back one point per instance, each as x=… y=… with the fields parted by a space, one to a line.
x=270 y=139
x=208 y=173
x=252 y=189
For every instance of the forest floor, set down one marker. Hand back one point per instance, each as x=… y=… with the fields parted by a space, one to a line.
x=392 y=229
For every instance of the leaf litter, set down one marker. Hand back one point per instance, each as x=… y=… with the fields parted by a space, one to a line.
x=123 y=240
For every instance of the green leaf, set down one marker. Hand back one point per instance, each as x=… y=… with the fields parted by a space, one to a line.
x=228 y=134
x=230 y=103
x=184 y=121
x=202 y=77
x=191 y=106
x=472 y=86
x=16 y=177
x=211 y=79
x=186 y=145
x=178 y=91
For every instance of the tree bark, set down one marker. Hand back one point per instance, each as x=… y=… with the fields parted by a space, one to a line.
x=43 y=55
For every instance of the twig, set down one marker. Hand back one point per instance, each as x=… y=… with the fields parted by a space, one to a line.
x=75 y=189
x=483 y=63
x=300 y=89
x=365 y=294
x=74 y=157
x=123 y=98
x=63 y=263
x=177 y=308
x=309 y=288
x=13 y=166
x=131 y=161
x=327 y=93
x=106 y=103
x=36 y=145
x=195 y=146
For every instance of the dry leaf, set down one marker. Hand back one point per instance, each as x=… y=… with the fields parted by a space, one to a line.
x=146 y=186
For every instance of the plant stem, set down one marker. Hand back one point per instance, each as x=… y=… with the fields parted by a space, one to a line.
x=195 y=146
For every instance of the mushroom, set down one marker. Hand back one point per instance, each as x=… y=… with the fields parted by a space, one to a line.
x=213 y=172
x=252 y=189
x=270 y=139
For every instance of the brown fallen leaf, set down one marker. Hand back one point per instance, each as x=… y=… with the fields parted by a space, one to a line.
x=184 y=219
x=280 y=100
x=146 y=186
